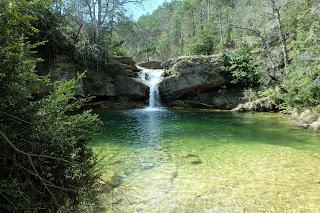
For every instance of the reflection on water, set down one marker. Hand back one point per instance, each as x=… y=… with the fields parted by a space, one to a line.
x=148 y=125
x=197 y=161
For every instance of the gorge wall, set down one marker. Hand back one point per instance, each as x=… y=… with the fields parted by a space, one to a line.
x=117 y=86
x=198 y=81
x=189 y=81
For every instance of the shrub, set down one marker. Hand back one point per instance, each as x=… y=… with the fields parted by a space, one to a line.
x=242 y=67
x=250 y=95
x=45 y=162
x=203 y=43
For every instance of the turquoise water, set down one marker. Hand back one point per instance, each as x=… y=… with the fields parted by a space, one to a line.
x=202 y=161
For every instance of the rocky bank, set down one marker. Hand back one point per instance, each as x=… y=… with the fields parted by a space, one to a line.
x=307 y=118
x=115 y=87
x=197 y=81
x=190 y=81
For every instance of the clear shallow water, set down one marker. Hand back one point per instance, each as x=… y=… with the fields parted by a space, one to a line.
x=200 y=161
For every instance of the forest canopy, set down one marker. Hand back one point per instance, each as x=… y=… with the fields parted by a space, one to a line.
x=282 y=37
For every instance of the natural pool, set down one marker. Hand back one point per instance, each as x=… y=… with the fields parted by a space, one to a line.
x=202 y=161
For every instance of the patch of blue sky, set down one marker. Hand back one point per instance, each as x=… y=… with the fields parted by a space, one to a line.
x=135 y=11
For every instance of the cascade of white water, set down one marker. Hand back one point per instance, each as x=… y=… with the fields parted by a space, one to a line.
x=152 y=77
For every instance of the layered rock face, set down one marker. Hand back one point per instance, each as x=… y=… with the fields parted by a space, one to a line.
x=151 y=65
x=119 y=83
x=186 y=77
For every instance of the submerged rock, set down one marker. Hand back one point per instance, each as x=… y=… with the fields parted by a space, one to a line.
x=174 y=175
x=193 y=159
x=191 y=156
x=196 y=161
x=148 y=167
x=114 y=181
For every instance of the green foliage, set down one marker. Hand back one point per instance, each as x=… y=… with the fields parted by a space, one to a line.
x=91 y=56
x=163 y=45
x=250 y=95
x=46 y=164
x=219 y=26
x=302 y=89
x=303 y=78
x=277 y=96
x=203 y=43
x=243 y=68
x=118 y=50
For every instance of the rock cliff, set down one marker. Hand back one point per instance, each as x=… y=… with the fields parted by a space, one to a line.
x=118 y=83
x=196 y=81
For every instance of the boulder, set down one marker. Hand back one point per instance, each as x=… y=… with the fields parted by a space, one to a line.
x=130 y=87
x=99 y=84
x=122 y=69
x=222 y=98
x=151 y=65
x=307 y=117
x=118 y=82
x=64 y=70
x=265 y=104
x=295 y=113
x=127 y=61
x=315 y=126
x=185 y=76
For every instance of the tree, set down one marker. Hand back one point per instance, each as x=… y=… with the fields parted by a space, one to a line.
x=45 y=161
x=276 y=13
x=103 y=14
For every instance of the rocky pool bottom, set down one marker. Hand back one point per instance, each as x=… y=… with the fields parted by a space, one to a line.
x=202 y=161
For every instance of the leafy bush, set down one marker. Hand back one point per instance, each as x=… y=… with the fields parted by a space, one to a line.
x=118 y=49
x=242 y=67
x=203 y=43
x=250 y=95
x=303 y=75
x=45 y=162
x=92 y=56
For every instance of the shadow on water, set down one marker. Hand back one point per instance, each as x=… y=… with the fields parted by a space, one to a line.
x=149 y=126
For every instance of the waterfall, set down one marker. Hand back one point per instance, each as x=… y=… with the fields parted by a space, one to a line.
x=152 y=77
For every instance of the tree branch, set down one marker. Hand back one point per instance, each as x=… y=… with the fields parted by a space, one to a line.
x=31 y=154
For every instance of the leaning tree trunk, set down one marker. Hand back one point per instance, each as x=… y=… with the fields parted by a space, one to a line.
x=283 y=40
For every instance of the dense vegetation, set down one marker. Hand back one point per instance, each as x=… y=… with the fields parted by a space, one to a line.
x=266 y=41
x=45 y=161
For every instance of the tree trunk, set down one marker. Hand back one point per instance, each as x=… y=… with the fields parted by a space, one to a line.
x=201 y=16
x=277 y=14
x=220 y=29
x=283 y=40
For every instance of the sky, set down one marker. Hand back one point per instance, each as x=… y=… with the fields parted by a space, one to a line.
x=148 y=6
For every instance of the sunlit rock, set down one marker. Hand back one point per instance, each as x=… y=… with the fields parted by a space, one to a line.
x=190 y=75
x=260 y=105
